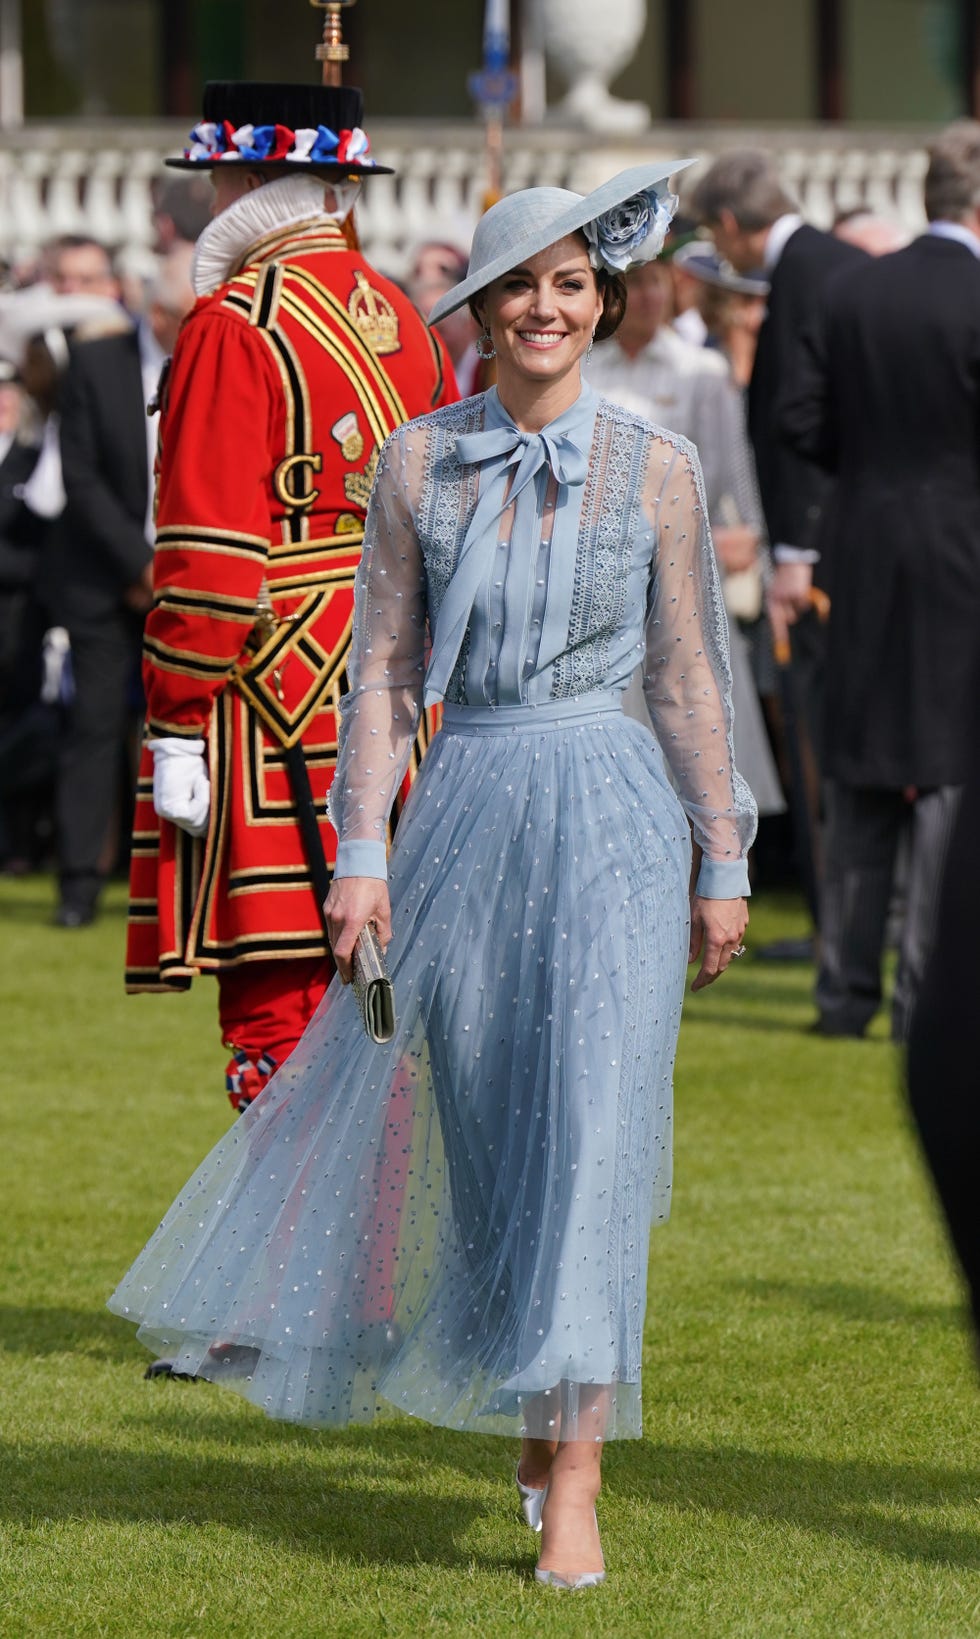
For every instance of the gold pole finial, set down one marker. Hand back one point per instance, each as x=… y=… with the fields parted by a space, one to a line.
x=332 y=52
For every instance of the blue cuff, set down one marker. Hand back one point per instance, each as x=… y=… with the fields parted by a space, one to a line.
x=723 y=879
x=362 y=859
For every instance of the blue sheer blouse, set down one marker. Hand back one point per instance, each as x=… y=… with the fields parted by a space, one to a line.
x=505 y=569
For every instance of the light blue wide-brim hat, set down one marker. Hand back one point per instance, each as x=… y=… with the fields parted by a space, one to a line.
x=698 y=259
x=624 y=221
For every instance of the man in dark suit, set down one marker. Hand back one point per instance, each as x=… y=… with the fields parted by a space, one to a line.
x=20 y=529
x=888 y=401
x=21 y=538
x=756 y=224
x=99 y=570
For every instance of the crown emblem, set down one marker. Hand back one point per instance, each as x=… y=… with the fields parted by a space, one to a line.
x=373 y=316
x=357 y=485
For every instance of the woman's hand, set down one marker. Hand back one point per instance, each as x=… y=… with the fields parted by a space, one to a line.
x=352 y=902
x=717 y=926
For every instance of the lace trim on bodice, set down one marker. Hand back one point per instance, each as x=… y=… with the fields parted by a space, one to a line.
x=446 y=505
x=610 y=516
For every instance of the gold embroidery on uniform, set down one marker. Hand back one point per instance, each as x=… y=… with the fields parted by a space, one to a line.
x=320 y=236
x=298 y=419
x=349 y=436
x=280 y=481
x=374 y=316
x=193 y=534
x=357 y=485
x=303 y=552
x=347 y=524
x=368 y=383
x=265 y=298
x=198 y=940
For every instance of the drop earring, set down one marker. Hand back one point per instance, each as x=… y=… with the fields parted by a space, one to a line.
x=588 y=350
x=484 y=346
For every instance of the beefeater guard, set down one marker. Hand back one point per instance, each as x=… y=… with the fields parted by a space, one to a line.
x=296 y=362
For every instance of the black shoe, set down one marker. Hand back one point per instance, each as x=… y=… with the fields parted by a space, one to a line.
x=165 y=1368
x=786 y=950
x=74 y=916
x=831 y=1028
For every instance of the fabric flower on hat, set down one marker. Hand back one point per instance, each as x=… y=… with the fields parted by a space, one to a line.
x=209 y=139
x=261 y=142
x=316 y=142
x=632 y=232
x=354 y=145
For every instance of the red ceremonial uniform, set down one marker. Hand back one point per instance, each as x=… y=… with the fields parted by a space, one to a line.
x=285 y=383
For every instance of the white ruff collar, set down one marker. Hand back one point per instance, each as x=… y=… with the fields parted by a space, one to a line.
x=225 y=242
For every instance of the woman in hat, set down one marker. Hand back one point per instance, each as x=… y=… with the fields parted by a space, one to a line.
x=455 y=1223
x=732 y=305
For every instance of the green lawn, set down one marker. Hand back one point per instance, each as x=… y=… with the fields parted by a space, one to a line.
x=810 y=1461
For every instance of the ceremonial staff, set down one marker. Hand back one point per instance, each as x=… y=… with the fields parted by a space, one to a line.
x=332 y=53
x=493 y=90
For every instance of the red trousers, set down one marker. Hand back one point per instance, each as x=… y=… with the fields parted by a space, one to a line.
x=263 y=1009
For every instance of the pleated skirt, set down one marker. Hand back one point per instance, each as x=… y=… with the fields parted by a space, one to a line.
x=456 y=1224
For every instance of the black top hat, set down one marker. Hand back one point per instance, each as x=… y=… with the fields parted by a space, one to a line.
x=314 y=127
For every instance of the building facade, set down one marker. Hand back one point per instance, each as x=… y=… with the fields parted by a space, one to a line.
x=888 y=62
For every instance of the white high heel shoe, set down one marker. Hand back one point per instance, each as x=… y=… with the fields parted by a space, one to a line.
x=569 y=1584
x=532 y=1501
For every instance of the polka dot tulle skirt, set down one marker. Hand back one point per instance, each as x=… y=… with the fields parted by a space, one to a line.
x=456 y=1224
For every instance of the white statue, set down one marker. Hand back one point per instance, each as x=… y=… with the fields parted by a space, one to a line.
x=589 y=42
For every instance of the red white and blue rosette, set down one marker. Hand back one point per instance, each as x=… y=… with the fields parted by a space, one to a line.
x=214 y=141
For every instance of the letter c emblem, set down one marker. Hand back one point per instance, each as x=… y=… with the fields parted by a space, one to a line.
x=280 y=481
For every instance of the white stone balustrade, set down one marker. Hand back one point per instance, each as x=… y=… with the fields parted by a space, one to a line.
x=97 y=179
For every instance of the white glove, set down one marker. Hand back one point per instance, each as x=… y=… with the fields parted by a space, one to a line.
x=181 y=788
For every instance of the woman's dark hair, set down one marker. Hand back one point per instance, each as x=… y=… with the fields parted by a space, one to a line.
x=612 y=289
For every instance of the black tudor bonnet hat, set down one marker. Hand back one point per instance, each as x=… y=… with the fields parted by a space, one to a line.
x=263 y=123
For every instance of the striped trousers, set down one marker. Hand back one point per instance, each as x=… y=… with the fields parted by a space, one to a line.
x=864 y=831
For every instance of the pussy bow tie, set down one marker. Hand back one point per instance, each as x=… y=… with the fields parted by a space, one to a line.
x=500 y=451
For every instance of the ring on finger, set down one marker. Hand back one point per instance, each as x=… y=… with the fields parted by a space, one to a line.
x=738 y=950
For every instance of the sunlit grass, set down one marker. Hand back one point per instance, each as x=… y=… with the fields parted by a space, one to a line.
x=811 y=1409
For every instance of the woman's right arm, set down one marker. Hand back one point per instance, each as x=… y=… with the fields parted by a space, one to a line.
x=687 y=677
x=380 y=713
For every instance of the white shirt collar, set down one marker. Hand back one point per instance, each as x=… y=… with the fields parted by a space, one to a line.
x=958 y=231
x=778 y=237
x=152 y=356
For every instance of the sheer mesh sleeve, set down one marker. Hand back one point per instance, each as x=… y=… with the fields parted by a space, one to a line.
x=687 y=680
x=380 y=713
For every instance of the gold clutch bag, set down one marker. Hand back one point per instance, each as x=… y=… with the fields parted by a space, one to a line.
x=372 y=985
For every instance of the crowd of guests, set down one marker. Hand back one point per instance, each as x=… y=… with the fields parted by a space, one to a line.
x=734 y=338
x=82 y=343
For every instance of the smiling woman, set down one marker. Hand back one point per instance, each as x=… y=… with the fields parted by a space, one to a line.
x=456 y=1222
x=541 y=318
